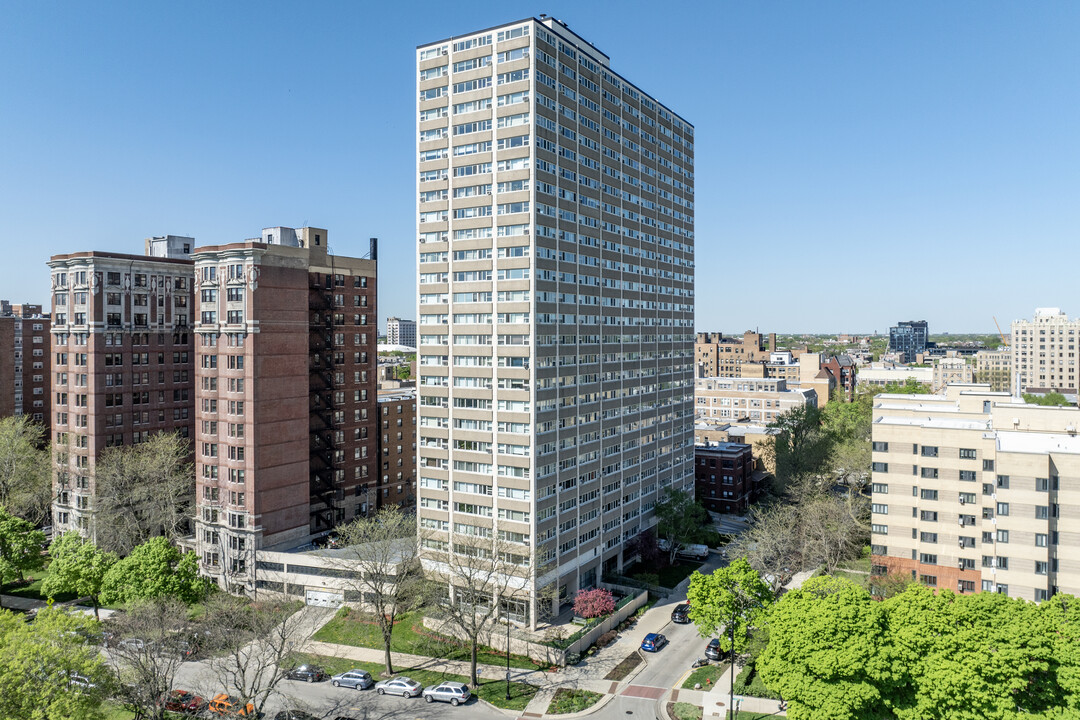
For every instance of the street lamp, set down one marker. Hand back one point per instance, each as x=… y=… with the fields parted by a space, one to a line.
x=507 y=650
x=738 y=603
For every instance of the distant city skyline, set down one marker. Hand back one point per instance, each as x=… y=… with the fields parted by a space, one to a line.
x=856 y=165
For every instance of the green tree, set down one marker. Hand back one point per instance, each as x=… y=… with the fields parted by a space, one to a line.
x=1049 y=399
x=826 y=653
x=381 y=559
x=680 y=520
x=20 y=547
x=24 y=468
x=77 y=566
x=38 y=661
x=403 y=372
x=1061 y=619
x=736 y=591
x=155 y=569
x=970 y=656
x=143 y=491
x=910 y=386
x=802 y=446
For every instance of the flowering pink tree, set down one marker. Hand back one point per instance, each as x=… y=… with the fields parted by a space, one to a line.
x=594 y=603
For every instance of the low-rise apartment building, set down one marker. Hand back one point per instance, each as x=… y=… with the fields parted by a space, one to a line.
x=951 y=371
x=747 y=399
x=724 y=477
x=882 y=374
x=974 y=490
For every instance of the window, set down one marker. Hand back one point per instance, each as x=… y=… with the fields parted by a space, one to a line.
x=1002 y=536
x=879 y=509
x=1042 y=484
x=928 y=558
x=879 y=529
x=928 y=515
x=928 y=494
x=928 y=472
x=929 y=580
x=988 y=464
x=1042 y=512
x=928 y=537
x=1003 y=481
x=967 y=475
x=879 y=488
x=965 y=586
x=1002 y=509
x=880 y=447
x=929 y=451
x=967 y=454
x=1040 y=567
x=1002 y=563
x=879 y=467
x=1040 y=540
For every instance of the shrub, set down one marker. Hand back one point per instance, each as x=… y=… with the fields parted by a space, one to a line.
x=606 y=639
x=594 y=603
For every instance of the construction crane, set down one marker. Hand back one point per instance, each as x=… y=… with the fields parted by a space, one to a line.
x=1003 y=340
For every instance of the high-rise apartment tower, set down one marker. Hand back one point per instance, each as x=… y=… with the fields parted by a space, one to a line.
x=556 y=303
x=285 y=395
x=121 y=362
x=25 y=360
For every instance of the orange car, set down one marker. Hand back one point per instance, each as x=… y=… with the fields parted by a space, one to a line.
x=228 y=706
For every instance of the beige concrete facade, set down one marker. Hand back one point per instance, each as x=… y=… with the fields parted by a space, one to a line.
x=747 y=399
x=882 y=374
x=1044 y=352
x=974 y=491
x=555 y=317
x=994 y=367
x=123 y=365
x=952 y=371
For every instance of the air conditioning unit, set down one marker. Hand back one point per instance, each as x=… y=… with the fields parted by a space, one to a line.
x=961 y=522
x=962 y=501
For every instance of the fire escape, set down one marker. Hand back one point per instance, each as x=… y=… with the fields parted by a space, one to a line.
x=325 y=496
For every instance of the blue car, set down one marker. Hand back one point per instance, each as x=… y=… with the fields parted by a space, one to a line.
x=653 y=642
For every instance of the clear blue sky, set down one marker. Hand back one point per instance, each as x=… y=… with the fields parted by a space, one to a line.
x=857 y=163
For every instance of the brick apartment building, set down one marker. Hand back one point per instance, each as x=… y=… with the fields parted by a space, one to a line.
x=396 y=482
x=718 y=356
x=844 y=373
x=285 y=362
x=25 y=362
x=724 y=477
x=122 y=361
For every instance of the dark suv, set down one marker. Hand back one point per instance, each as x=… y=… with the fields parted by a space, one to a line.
x=712 y=650
x=681 y=614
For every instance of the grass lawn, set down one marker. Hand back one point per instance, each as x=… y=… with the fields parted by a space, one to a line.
x=668 y=576
x=709 y=672
x=410 y=636
x=860 y=565
x=684 y=711
x=857 y=578
x=572 y=701
x=493 y=690
x=33 y=591
x=625 y=667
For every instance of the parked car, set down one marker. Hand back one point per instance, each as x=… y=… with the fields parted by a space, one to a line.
x=712 y=650
x=228 y=706
x=295 y=715
x=403 y=686
x=653 y=642
x=681 y=614
x=308 y=673
x=135 y=645
x=184 y=701
x=80 y=682
x=454 y=693
x=357 y=679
